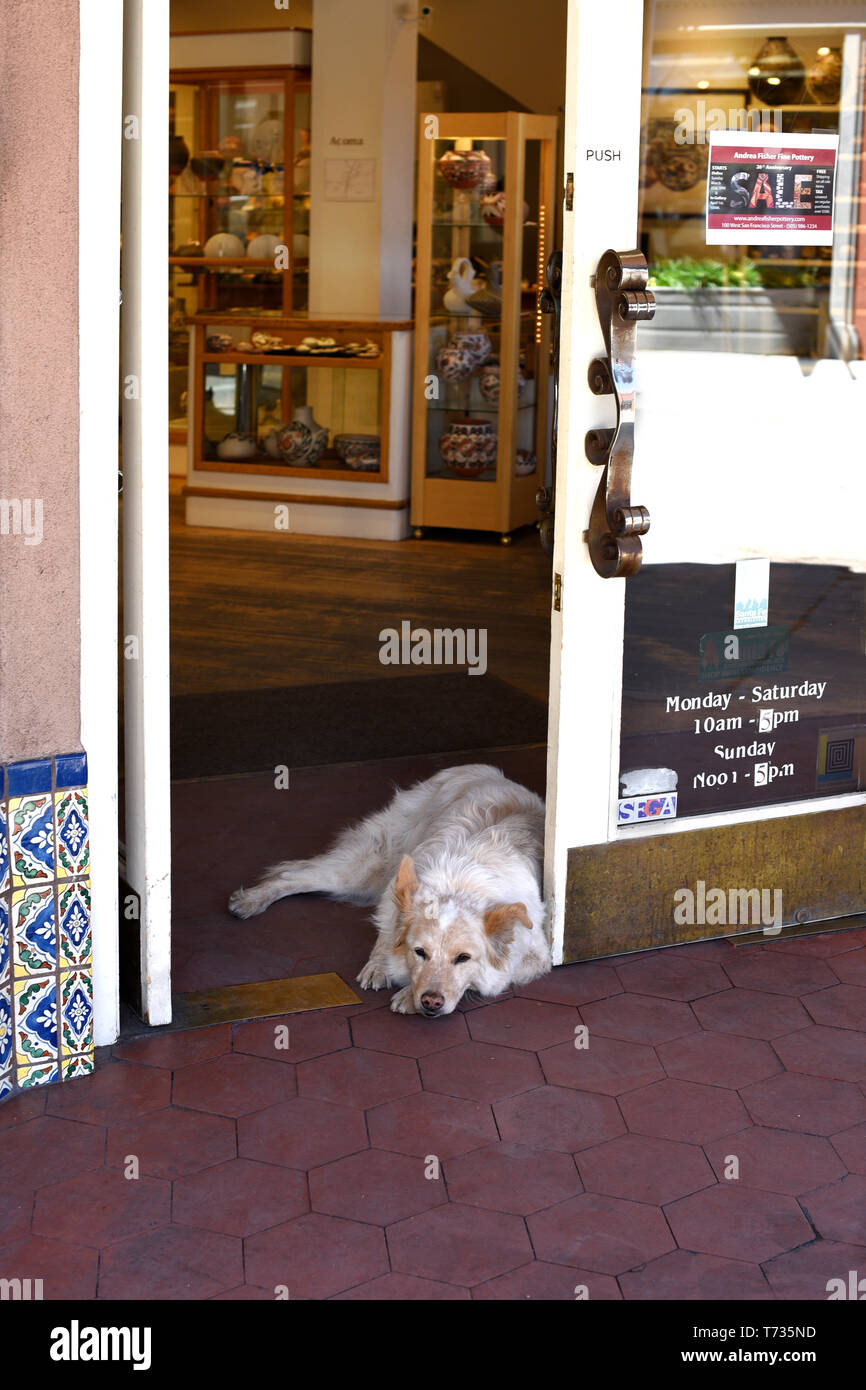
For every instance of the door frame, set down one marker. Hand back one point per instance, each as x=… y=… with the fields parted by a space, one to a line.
x=587 y=634
x=99 y=112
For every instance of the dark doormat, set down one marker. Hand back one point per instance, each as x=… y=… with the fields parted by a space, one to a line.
x=237 y=731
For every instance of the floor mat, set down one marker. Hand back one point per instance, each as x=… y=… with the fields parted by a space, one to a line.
x=229 y=732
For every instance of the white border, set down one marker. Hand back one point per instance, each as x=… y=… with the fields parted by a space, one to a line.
x=99 y=106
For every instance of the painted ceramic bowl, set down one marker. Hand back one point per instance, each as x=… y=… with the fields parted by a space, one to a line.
x=524 y=463
x=190 y=248
x=468 y=446
x=466 y=169
x=237 y=446
x=365 y=463
x=225 y=244
x=219 y=342
x=492 y=208
x=489 y=383
x=263 y=247
x=354 y=447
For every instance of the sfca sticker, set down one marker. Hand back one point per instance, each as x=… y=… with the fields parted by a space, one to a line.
x=660 y=806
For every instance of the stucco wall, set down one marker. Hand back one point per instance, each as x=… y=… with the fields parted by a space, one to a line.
x=39 y=583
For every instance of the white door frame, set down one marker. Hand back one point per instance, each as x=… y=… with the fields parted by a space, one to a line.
x=144 y=357
x=99 y=113
x=587 y=635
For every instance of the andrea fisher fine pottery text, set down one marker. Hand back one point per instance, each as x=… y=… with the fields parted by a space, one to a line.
x=776 y=74
x=468 y=446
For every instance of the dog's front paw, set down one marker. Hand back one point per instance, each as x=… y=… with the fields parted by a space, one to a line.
x=372 y=976
x=247 y=902
x=403 y=1002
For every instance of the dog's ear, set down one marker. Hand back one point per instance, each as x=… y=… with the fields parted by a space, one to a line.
x=499 y=926
x=405 y=888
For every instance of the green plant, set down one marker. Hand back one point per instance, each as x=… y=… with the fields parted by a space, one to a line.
x=689 y=273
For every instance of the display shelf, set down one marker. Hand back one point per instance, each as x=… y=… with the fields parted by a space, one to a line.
x=454 y=420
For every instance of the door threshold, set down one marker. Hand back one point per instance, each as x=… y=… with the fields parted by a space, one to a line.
x=796 y=929
x=201 y=1008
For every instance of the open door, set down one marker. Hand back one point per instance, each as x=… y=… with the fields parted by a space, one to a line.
x=707 y=766
x=146 y=910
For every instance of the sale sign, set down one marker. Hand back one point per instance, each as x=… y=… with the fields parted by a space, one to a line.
x=769 y=189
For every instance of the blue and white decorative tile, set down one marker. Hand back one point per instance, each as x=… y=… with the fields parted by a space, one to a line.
x=29 y=778
x=74 y=911
x=35 y=1021
x=78 y=1066
x=32 y=835
x=34 y=931
x=40 y=1074
x=4 y=851
x=70 y=770
x=4 y=940
x=76 y=1012
x=5 y=1086
x=6 y=1031
x=73 y=833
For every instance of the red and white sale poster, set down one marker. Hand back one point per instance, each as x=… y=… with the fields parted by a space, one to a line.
x=767 y=189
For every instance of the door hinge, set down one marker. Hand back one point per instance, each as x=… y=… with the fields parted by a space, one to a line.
x=569 y=192
x=557 y=593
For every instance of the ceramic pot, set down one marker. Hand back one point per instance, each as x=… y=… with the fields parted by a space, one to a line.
x=303 y=441
x=361 y=451
x=493 y=209
x=263 y=247
x=478 y=344
x=824 y=78
x=246 y=177
x=225 y=244
x=271 y=442
x=776 y=75
x=178 y=155
x=237 y=446
x=524 y=463
x=489 y=382
x=462 y=284
x=466 y=169
x=454 y=363
x=207 y=165
x=219 y=342
x=468 y=446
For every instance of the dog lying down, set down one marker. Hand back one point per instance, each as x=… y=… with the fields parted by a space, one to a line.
x=454 y=868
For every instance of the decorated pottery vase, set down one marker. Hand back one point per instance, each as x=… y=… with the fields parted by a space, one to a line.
x=776 y=75
x=271 y=442
x=454 y=363
x=237 y=446
x=478 y=344
x=303 y=442
x=525 y=463
x=824 y=78
x=465 y=169
x=468 y=446
x=489 y=382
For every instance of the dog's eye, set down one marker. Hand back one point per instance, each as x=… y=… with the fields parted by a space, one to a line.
x=419 y=951
x=461 y=960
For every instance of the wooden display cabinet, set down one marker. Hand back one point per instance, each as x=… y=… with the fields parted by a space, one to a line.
x=508 y=241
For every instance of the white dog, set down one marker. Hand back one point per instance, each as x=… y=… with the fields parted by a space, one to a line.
x=454 y=866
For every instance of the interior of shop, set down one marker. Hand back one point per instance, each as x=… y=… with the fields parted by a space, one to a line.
x=330 y=198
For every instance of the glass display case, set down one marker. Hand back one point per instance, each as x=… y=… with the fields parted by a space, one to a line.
x=482 y=386
x=239 y=201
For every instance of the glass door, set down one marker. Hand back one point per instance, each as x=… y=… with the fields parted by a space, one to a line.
x=728 y=743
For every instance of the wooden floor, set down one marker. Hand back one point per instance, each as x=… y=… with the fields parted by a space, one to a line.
x=250 y=609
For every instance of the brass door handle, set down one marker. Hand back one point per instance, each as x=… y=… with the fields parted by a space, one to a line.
x=615 y=526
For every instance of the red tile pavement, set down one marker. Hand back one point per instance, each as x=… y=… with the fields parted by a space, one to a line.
x=708 y=1142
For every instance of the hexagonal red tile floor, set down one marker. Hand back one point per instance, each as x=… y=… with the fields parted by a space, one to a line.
x=708 y=1142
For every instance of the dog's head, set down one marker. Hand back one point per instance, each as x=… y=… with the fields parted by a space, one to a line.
x=449 y=945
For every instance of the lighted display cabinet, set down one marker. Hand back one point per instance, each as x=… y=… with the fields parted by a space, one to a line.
x=482 y=379
x=239 y=187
